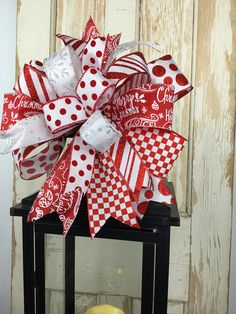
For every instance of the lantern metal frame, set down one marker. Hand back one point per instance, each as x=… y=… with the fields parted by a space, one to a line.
x=154 y=235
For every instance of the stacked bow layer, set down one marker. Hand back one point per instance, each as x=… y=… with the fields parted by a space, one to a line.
x=118 y=112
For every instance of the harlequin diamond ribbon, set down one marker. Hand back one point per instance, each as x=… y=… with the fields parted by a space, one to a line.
x=119 y=115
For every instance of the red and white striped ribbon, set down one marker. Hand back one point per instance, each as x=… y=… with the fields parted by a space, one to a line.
x=35 y=84
x=129 y=165
x=128 y=65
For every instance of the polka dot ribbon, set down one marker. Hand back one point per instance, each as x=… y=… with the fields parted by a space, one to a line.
x=118 y=112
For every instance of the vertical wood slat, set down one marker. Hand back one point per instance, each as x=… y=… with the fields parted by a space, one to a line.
x=72 y=16
x=69 y=274
x=33 y=41
x=170 y=24
x=122 y=17
x=148 y=275
x=107 y=14
x=214 y=120
x=40 y=272
x=28 y=267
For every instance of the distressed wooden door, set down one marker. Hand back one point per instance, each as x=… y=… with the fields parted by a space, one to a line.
x=201 y=37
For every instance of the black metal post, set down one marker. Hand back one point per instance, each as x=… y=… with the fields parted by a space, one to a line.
x=162 y=271
x=40 y=272
x=69 y=274
x=147 y=278
x=28 y=266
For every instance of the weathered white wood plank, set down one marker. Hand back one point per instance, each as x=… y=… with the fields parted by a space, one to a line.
x=214 y=121
x=33 y=38
x=33 y=42
x=179 y=261
x=72 y=16
x=176 y=308
x=173 y=307
x=170 y=24
x=123 y=17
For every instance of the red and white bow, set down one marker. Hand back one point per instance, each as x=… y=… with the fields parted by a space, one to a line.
x=119 y=115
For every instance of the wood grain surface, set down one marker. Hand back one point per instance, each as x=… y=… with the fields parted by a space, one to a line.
x=213 y=148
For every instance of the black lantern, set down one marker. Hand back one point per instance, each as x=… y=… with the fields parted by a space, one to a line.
x=154 y=235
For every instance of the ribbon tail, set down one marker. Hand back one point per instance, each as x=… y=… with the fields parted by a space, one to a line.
x=65 y=186
x=37 y=212
x=49 y=196
x=33 y=167
x=120 y=202
x=129 y=165
x=98 y=211
x=108 y=196
x=68 y=208
x=157 y=148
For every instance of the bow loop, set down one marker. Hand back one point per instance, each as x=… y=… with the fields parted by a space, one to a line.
x=81 y=162
x=31 y=167
x=64 y=113
x=146 y=106
x=35 y=84
x=63 y=70
x=165 y=71
x=17 y=107
x=93 y=53
x=76 y=44
x=127 y=65
x=94 y=90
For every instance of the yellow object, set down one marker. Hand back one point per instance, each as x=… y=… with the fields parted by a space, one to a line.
x=104 y=309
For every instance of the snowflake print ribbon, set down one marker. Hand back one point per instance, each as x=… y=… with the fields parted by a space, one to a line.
x=118 y=112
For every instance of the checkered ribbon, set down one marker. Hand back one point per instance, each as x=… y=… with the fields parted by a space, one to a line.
x=118 y=112
x=108 y=196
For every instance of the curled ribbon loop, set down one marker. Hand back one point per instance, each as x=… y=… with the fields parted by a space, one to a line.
x=118 y=112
